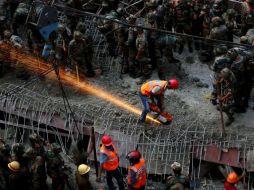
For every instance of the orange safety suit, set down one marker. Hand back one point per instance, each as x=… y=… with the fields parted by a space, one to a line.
x=113 y=161
x=140 y=171
x=146 y=88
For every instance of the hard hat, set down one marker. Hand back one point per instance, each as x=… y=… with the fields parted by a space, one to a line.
x=14 y=166
x=77 y=34
x=133 y=156
x=232 y=177
x=106 y=140
x=83 y=169
x=176 y=166
x=173 y=84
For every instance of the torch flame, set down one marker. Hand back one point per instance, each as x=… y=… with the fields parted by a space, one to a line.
x=39 y=65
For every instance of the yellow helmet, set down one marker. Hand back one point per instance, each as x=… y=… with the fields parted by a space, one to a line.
x=14 y=166
x=83 y=169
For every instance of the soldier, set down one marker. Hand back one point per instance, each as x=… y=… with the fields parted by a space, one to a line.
x=19 y=17
x=38 y=170
x=142 y=55
x=79 y=55
x=134 y=71
x=61 y=45
x=183 y=15
x=221 y=61
x=37 y=144
x=197 y=21
x=55 y=165
x=152 y=37
x=239 y=67
x=168 y=15
x=218 y=8
x=177 y=180
x=226 y=93
x=219 y=30
x=230 y=21
x=247 y=16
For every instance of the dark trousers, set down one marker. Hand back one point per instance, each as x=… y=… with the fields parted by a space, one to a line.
x=118 y=176
x=141 y=188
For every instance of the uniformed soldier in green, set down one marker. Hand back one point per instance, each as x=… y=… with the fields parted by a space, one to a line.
x=221 y=61
x=226 y=93
x=177 y=181
x=79 y=54
x=134 y=71
x=142 y=55
x=55 y=165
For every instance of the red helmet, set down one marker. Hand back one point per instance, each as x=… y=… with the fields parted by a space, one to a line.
x=133 y=156
x=106 y=140
x=173 y=84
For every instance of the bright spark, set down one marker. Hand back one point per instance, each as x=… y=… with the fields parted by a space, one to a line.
x=38 y=65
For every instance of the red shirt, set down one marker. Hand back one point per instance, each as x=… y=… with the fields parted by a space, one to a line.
x=228 y=186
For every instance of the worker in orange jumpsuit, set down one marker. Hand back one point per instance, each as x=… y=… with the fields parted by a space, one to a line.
x=109 y=161
x=136 y=171
x=155 y=90
x=232 y=180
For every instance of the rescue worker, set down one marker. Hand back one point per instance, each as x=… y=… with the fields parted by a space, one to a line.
x=16 y=179
x=109 y=161
x=37 y=144
x=247 y=16
x=155 y=90
x=82 y=177
x=177 y=180
x=232 y=180
x=79 y=55
x=55 y=165
x=226 y=93
x=136 y=171
x=168 y=15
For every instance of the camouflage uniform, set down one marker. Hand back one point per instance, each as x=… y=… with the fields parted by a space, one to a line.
x=183 y=14
x=132 y=51
x=79 y=54
x=219 y=30
x=176 y=182
x=142 y=55
x=168 y=15
x=221 y=61
x=247 y=16
x=230 y=22
x=55 y=164
x=226 y=93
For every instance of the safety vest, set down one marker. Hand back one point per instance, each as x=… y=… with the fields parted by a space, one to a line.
x=146 y=88
x=140 y=171
x=112 y=162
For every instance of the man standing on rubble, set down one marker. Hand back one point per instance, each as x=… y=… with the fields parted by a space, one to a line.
x=177 y=180
x=155 y=90
x=109 y=161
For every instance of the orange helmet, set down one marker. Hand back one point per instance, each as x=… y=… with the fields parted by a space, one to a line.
x=106 y=140
x=173 y=84
x=232 y=177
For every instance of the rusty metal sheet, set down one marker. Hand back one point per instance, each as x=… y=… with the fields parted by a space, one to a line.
x=215 y=154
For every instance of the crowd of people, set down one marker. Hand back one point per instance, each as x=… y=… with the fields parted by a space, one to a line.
x=143 y=50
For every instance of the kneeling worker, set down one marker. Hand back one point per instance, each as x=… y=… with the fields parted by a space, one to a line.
x=155 y=90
